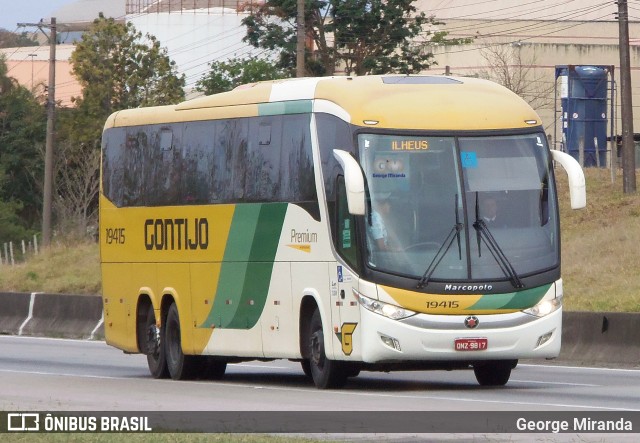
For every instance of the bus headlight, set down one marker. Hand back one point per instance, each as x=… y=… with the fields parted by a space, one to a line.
x=390 y=311
x=545 y=307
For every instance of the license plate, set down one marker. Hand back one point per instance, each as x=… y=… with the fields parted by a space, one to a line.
x=471 y=344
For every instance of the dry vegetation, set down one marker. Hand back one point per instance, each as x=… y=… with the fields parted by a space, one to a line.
x=601 y=246
x=62 y=269
x=600 y=253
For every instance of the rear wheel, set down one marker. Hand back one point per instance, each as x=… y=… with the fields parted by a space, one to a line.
x=180 y=366
x=326 y=373
x=151 y=343
x=493 y=373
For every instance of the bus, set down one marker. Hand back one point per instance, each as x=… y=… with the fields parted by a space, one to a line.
x=346 y=223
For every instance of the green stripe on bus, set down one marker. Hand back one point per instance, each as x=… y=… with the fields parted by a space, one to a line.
x=228 y=295
x=242 y=232
x=289 y=107
x=513 y=300
x=527 y=298
x=258 y=277
x=247 y=266
x=254 y=296
x=268 y=232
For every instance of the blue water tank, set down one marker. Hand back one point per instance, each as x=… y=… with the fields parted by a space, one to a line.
x=584 y=112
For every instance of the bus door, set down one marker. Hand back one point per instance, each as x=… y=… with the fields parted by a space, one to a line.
x=345 y=312
x=344 y=306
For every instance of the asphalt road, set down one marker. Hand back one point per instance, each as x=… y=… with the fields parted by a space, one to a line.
x=79 y=375
x=44 y=374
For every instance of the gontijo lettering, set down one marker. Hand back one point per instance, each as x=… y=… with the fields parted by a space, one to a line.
x=172 y=234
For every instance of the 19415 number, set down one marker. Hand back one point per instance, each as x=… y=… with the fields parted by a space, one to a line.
x=443 y=304
x=114 y=235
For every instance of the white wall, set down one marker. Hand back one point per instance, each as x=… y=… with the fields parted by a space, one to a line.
x=196 y=38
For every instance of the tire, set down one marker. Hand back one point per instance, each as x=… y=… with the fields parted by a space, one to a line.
x=493 y=373
x=306 y=367
x=152 y=345
x=180 y=366
x=212 y=368
x=326 y=374
x=352 y=371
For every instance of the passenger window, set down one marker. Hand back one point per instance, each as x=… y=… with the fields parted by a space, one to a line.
x=166 y=139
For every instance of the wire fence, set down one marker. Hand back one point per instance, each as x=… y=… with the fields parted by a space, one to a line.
x=12 y=253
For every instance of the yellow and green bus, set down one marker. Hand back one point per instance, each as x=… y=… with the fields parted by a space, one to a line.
x=352 y=224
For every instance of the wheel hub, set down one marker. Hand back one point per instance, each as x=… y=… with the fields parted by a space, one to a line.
x=153 y=340
x=316 y=348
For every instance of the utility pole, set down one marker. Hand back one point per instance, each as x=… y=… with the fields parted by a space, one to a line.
x=32 y=55
x=51 y=114
x=300 y=71
x=628 y=154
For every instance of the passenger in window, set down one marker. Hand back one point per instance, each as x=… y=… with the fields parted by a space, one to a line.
x=489 y=212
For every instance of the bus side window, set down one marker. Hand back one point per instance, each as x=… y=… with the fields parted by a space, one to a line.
x=346 y=244
x=264 y=134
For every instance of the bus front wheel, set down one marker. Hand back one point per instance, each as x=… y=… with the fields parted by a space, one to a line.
x=180 y=366
x=493 y=373
x=306 y=367
x=326 y=373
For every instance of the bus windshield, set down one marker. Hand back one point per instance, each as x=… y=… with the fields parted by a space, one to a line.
x=480 y=208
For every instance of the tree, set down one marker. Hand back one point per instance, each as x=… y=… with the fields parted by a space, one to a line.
x=119 y=68
x=513 y=66
x=77 y=172
x=11 y=226
x=14 y=40
x=22 y=132
x=226 y=75
x=364 y=36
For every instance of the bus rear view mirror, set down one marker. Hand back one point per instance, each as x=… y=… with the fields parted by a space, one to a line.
x=353 y=180
x=577 y=188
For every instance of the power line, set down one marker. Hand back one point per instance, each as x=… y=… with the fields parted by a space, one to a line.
x=549 y=20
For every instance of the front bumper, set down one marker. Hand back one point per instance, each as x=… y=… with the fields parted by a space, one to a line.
x=431 y=338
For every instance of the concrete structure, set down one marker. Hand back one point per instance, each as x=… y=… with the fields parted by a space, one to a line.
x=588 y=338
x=528 y=39
x=522 y=41
x=195 y=33
x=76 y=16
x=30 y=67
x=195 y=38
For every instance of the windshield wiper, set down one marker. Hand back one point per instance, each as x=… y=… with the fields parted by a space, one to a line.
x=483 y=234
x=444 y=247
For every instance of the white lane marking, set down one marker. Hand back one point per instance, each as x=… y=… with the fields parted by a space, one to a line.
x=466 y=400
x=542 y=382
x=28 y=337
x=587 y=368
x=590 y=368
x=245 y=365
x=61 y=374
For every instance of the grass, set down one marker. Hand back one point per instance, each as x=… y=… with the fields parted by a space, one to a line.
x=151 y=438
x=61 y=269
x=600 y=253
